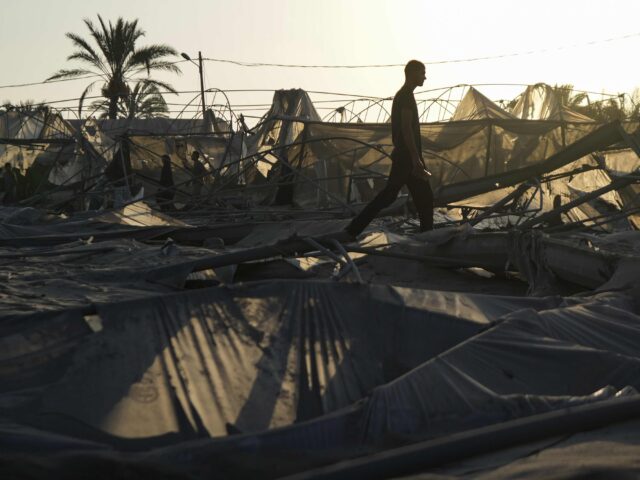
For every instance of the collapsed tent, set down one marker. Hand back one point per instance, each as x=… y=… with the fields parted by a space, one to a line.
x=540 y=102
x=475 y=106
x=34 y=143
x=227 y=336
x=272 y=354
x=337 y=164
x=292 y=158
x=255 y=358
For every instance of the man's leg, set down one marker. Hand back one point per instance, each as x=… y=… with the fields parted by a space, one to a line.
x=397 y=178
x=423 y=199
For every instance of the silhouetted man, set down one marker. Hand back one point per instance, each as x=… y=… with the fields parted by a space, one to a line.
x=165 y=194
x=198 y=171
x=407 y=165
x=10 y=184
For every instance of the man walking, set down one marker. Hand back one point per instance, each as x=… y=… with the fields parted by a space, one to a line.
x=198 y=172
x=407 y=165
x=10 y=184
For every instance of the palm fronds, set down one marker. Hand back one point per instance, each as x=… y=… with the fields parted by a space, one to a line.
x=111 y=53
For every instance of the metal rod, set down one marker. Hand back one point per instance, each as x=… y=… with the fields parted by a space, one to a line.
x=614 y=185
x=436 y=261
x=349 y=260
x=324 y=250
x=501 y=203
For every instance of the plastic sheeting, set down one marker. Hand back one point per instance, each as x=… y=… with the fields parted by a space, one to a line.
x=36 y=125
x=39 y=124
x=474 y=106
x=582 y=351
x=78 y=274
x=98 y=151
x=622 y=162
x=68 y=231
x=562 y=354
x=339 y=163
x=342 y=163
x=453 y=151
x=215 y=152
x=274 y=130
x=530 y=363
x=138 y=214
x=541 y=102
x=252 y=357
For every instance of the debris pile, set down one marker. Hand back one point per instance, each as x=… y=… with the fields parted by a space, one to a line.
x=180 y=300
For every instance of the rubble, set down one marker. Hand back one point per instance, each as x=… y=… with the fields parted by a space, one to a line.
x=241 y=321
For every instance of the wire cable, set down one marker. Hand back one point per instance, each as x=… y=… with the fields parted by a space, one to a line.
x=435 y=62
x=384 y=65
x=73 y=79
x=50 y=81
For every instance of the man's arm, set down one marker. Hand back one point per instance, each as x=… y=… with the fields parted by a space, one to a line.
x=409 y=140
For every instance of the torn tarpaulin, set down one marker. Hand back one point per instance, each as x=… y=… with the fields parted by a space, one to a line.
x=255 y=357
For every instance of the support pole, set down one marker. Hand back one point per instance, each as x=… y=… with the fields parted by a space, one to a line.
x=616 y=184
x=201 y=84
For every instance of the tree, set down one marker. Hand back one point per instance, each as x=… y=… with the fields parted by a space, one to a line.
x=24 y=106
x=634 y=105
x=622 y=107
x=116 y=60
x=144 y=101
x=569 y=99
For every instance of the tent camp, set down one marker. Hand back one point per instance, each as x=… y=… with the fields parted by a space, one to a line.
x=242 y=334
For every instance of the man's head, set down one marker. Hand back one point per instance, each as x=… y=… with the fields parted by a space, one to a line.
x=195 y=155
x=7 y=166
x=415 y=73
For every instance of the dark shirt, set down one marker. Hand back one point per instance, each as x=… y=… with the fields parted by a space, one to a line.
x=9 y=180
x=403 y=100
x=10 y=184
x=119 y=167
x=166 y=175
x=198 y=172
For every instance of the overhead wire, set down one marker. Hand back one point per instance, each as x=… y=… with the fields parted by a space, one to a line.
x=338 y=101
x=353 y=97
x=435 y=62
x=385 y=65
x=71 y=79
x=50 y=81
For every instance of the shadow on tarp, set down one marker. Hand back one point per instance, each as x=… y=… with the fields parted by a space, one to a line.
x=529 y=363
x=547 y=354
x=244 y=359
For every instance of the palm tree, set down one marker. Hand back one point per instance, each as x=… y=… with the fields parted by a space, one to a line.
x=144 y=101
x=634 y=105
x=25 y=106
x=622 y=107
x=116 y=60
x=569 y=99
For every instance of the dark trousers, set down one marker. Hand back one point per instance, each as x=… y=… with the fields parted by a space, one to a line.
x=400 y=175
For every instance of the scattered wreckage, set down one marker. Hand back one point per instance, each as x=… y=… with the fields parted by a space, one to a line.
x=238 y=332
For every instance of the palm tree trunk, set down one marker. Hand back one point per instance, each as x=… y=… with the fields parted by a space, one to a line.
x=113 y=107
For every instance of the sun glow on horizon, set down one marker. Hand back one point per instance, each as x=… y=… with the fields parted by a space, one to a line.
x=553 y=42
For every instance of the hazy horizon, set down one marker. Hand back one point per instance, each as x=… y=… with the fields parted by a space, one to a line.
x=551 y=40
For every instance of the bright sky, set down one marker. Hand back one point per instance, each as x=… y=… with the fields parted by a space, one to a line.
x=339 y=32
